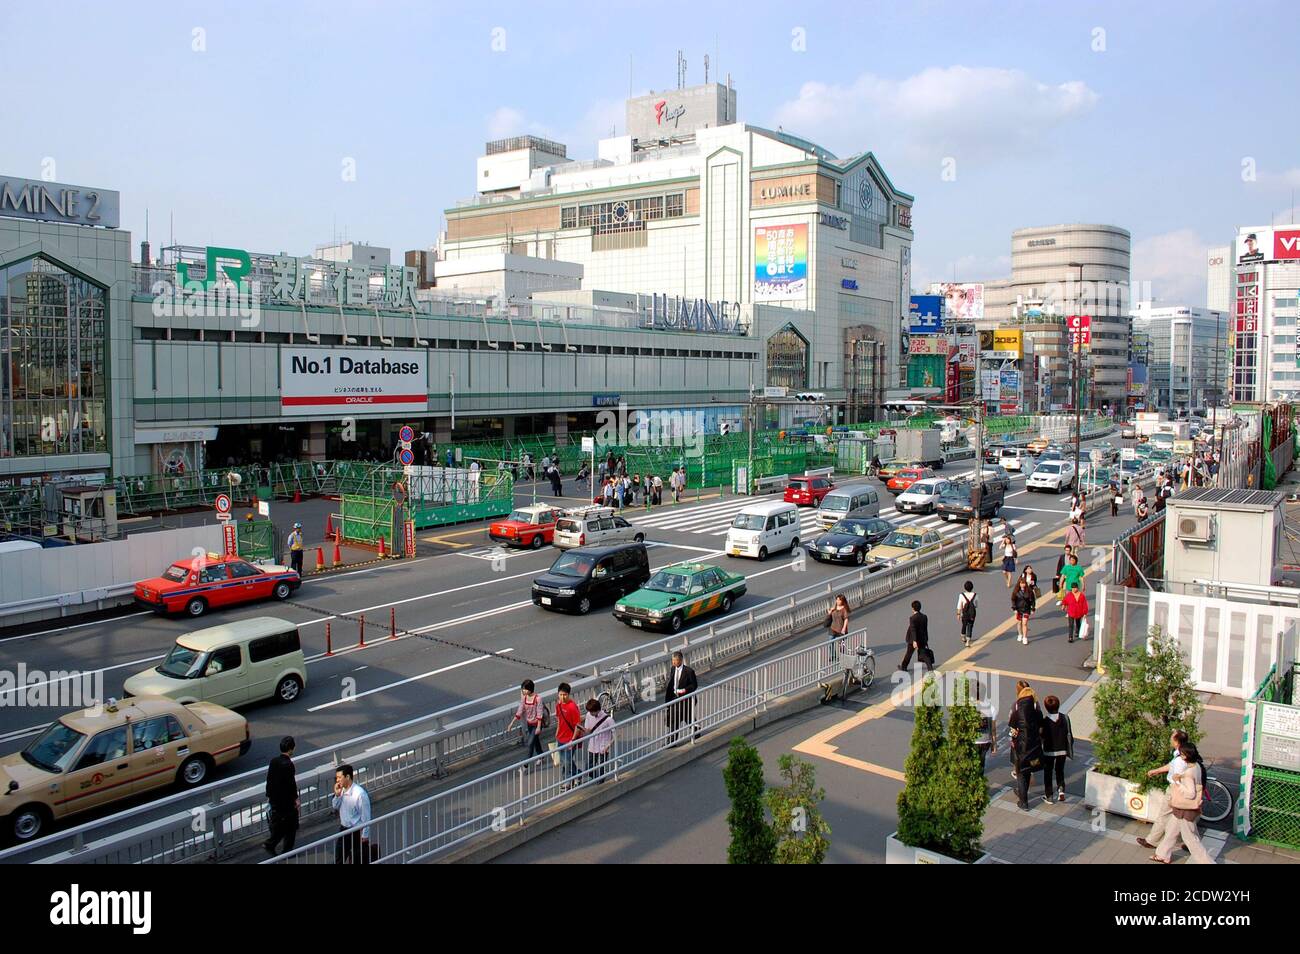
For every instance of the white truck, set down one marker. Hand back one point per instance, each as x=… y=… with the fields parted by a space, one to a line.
x=922 y=445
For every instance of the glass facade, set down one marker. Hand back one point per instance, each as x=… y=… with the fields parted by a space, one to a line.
x=53 y=389
x=787 y=360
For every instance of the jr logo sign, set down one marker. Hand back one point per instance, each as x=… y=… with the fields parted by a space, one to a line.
x=235 y=273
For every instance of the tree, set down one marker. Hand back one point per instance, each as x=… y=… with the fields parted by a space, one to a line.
x=752 y=841
x=1146 y=694
x=918 y=821
x=961 y=794
x=798 y=828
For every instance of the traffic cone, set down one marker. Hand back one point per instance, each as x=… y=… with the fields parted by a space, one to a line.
x=382 y=552
x=338 y=557
x=297 y=496
x=320 y=559
x=329 y=527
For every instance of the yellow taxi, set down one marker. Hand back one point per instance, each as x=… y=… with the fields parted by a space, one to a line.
x=890 y=470
x=103 y=754
x=903 y=545
x=1038 y=445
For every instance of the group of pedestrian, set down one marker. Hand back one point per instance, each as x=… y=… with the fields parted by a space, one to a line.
x=588 y=725
x=1181 y=809
x=1041 y=740
x=351 y=802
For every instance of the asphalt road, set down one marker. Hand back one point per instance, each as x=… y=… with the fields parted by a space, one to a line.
x=473 y=628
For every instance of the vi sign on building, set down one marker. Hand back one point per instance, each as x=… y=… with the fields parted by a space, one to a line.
x=329 y=381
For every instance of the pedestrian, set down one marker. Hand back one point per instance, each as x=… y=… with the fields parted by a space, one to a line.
x=657 y=494
x=1008 y=559
x=636 y=487
x=986 y=540
x=352 y=803
x=1071 y=574
x=1076 y=510
x=1141 y=510
x=1061 y=561
x=1058 y=745
x=968 y=602
x=568 y=723
x=282 y=797
x=619 y=491
x=1074 y=535
x=534 y=715
x=918 y=639
x=1031 y=577
x=1008 y=530
x=295 y=548
x=837 y=620
x=1185 y=794
x=451 y=458
x=678 y=689
x=1022 y=601
x=557 y=486
x=675 y=484
x=1076 y=610
x=682 y=479
x=1026 y=724
x=598 y=737
x=1176 y=765
x=1116 y=498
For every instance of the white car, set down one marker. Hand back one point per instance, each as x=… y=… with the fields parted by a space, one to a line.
x=1053 y=475
x=591 y=525
x=921 y=496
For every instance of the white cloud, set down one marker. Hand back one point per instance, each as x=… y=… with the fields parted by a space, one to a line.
x=966 y=112
x=1172 y=266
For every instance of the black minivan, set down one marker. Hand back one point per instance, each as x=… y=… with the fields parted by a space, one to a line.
x=954 y=503
x=584 y=576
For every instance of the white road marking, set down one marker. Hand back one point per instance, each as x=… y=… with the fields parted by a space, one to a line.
x=64 y=629
x=402 y=682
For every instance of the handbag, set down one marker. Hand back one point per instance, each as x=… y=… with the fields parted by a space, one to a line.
x=926 y=655
x=1085 y=628
x=1182 y=792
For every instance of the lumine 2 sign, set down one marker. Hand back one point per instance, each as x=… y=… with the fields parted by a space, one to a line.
x=57 y=202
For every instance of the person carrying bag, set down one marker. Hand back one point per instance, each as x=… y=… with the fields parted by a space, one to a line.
x=1186 y=791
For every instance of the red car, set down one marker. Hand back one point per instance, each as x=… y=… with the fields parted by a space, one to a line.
x=527 y=526
x=194 y=586
x=906 y=477
x=808 y=491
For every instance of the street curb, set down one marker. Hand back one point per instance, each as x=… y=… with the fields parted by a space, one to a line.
x=597 y=796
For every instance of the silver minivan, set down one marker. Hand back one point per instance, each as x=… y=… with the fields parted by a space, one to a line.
x=589 y=526
x=850 y=501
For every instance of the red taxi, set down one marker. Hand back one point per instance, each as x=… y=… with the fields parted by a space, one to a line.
x=527 y=526
x=906 y=477
x=201 y=583
x=808 y=491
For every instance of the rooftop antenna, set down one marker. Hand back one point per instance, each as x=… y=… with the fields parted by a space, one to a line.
x=681 y=70
x=706 y=69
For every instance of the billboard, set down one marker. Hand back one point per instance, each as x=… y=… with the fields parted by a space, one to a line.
x=926 y=370
x=1268 y=245
x=928 y=344
x=961 y=302
x=925 y=315
x=989 y=385
x=339 y=381
x=966 y=355
x=1008 y=340
x=780 y=262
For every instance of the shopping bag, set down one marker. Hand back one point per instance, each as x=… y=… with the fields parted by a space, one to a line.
x=1084 y=628
x=555 y=752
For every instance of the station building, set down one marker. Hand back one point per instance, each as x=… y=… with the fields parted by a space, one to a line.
x=676 y=278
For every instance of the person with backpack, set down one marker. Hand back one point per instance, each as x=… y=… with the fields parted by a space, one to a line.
x=534 y=715
x=967 y=604
x=1026 y=725
x=1024 y=604
x=1186 y=792
x=568 y=727
x=1058 y=745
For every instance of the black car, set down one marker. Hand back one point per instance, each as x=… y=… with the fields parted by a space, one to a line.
x=954 y=504
x=849 y=540
x=584 y=576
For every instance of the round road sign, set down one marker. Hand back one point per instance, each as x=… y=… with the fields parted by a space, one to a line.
x=407 y=456
x=407 y=434
x=222 y=503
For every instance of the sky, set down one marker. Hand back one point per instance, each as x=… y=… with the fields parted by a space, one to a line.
x=276 y=127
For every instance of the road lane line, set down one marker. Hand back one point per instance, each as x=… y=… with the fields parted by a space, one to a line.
x=402 y=682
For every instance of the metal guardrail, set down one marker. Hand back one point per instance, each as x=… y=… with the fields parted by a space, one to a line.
x=505 y=798
x=61 y=601
x=232 y=810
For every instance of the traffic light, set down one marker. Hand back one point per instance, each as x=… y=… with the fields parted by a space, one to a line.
x=810 y=397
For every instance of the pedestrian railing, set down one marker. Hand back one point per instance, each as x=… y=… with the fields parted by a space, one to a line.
x=508 y=797
x=224 y=816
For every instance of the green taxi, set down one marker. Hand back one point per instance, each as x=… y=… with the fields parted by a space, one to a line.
x=680 y=592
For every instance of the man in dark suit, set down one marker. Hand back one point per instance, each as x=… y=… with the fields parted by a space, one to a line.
x=918 y=638
x=680 y=686
x=282 y=794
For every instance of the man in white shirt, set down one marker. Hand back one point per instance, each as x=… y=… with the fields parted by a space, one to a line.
x=352 y=803
x=1174 y=766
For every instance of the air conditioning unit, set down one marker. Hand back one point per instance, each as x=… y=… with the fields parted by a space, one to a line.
x=1196 y=527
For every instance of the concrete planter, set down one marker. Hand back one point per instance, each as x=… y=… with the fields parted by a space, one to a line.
x=897 y=853
x=1121 y=797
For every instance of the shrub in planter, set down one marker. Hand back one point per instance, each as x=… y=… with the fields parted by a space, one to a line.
x=919 y=822
x=1145 y=695
x=752 y=841
x=800 y=832
x=959 y=788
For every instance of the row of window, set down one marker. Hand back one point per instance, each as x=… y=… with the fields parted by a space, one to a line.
x=620 y=214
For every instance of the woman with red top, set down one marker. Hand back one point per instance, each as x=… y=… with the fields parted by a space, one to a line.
x=1076 y=609
x=568 y=722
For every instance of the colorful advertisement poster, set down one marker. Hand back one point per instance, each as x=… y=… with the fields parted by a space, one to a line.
x=961 y=302
x=1268 y=245
x=966 y=354
x=989 y=389
x=928 y=344
x=1008 y=340
x=780 y=262
x=349 y=380
x=926 y=371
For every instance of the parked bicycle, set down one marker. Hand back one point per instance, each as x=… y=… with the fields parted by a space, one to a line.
x=1216 y=800
x=859 y=668
x=617 y=689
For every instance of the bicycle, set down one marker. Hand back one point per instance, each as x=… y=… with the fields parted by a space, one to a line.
x=1216 y=800
x=859 y=667
x=614 y=692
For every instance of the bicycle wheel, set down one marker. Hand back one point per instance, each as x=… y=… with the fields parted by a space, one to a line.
x=868 y=671
x=1217 y=801
x=606 y=700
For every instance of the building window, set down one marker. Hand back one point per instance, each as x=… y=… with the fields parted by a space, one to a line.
x=623 y=215
x=787 y=359
x=53 y=389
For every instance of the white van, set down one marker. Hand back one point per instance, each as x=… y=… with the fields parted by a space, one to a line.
x=231 y=665
x=764 y=528
x=587 y=526
x=1013 y=458
x=850 y=501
